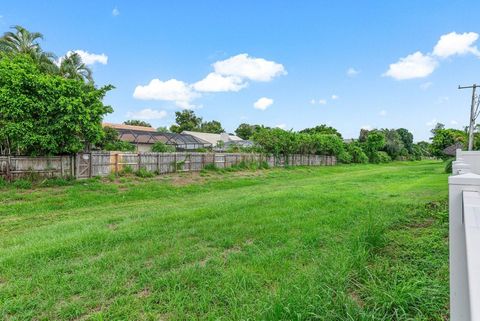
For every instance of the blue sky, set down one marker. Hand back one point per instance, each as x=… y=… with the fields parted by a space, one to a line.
x=294 y=54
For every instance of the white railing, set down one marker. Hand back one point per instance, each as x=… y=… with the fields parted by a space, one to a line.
x=464 y=237
x=471 y=222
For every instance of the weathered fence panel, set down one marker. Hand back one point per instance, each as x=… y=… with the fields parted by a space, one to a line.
x=14 y=167
x=84 y=165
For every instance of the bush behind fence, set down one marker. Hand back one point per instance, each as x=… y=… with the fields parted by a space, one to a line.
x=92 y=164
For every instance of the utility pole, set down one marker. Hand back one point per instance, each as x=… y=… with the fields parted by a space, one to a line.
x=473 y=113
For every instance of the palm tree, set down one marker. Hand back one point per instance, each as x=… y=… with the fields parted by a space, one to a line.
x=73 y=67
x=23 y=41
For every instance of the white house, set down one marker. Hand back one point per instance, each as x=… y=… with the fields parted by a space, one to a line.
x=214 y=139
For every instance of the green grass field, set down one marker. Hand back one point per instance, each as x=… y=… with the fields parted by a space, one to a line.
x=359 y=242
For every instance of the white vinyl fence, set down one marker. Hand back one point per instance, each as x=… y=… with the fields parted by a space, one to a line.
x=464 y=237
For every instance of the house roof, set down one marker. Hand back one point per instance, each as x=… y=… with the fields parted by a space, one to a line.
x=130 y=127
x=213 y=138
x=452 y=149
x=148 y=135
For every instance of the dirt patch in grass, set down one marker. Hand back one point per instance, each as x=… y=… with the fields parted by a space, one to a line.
x=356 y=298
x=143 y=293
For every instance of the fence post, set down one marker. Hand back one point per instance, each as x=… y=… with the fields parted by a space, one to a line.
x=116 y=163
x=158 y=163
x=175 y=162
x=61 y=166
x=72 y=166
x=90 y=165
x=9 y=163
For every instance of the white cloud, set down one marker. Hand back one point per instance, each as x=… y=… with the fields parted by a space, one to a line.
x=217 y=83
x=454 y=122
x=456 y=44
x=148 y=114
x=442 y=99
x=334 y=97
x=319 y=101
x=352 y=72
x=115 y=12
x=91 y=58
x=431 y=123
x=416 y=65
x=170 y=90
x=426 y=85
x=366 y=127
x=281 y=126
x=231 y=74
x=87 y=58
x=244 y=66
x=419 y=65
x=263 y=103
x=383 y=113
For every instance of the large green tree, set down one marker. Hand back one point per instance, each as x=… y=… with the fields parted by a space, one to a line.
x=322 y=129
x=246 y=131
x=445 y=137
x=186 y=120
x=45 y=114
x=374 y=142
x=212 y=126
x=407 y=139
x=393 y=143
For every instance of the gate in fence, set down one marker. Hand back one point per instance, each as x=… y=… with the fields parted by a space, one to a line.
x=84 y=165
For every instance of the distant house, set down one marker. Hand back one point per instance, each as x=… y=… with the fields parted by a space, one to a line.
x=220 y=142
x=213 y=139
x=452 y=149
x=144 y=137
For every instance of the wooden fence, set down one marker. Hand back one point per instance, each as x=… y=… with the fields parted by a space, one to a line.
x=84 y=165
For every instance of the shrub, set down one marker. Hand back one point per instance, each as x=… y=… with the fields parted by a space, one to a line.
x=201 y=150
x=280 y=142
x=358 y=155
x=383 y=157
x=210 y=167
x=379 y=157
x=161 y=147
x=344 y=157
x=57 y=181
x=22 y=184
x=3 y=182
x=120 y=146
x=142 y=172
x=111 y=177
x=448 y=165
x=264 y=165
x=127 y=170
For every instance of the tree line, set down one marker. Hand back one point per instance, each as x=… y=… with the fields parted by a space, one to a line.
x=51 y=106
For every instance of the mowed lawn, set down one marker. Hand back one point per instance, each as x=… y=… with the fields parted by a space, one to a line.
x=355 y=242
